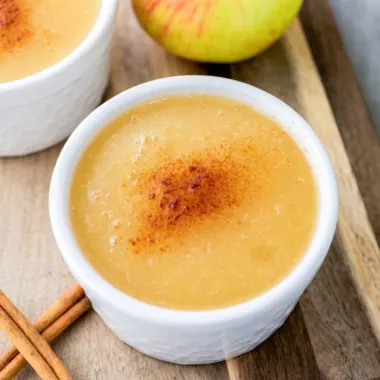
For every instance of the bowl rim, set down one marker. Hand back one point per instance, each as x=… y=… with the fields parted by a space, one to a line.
x=289 y=288
x=104 y=17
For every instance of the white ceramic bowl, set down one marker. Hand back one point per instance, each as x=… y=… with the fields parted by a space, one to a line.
x=40 y=110
x=204 y=336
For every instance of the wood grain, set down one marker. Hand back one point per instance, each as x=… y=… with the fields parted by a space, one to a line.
x=328 y=336
x=288 y=354
x=353 y=119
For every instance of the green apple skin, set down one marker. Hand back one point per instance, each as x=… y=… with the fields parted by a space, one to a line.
x=219 y=31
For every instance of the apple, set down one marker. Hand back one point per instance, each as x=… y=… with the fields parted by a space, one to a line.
x=223 y=31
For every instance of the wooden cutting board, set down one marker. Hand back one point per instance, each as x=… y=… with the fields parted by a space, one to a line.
x=334 y=332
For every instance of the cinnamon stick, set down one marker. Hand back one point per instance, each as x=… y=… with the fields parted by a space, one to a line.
x=34 y=337
x=26 y=347
x=54 y=330
x=64 y=302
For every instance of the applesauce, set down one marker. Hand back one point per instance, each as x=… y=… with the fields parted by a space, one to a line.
x=193 y=202
x=36 y=34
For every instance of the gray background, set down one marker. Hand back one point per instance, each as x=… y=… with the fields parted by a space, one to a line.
x=359 y=24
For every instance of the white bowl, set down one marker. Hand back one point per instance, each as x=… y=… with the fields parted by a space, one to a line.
x=202 y=336
x=43 y=109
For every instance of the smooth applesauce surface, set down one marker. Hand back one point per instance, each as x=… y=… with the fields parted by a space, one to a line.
x=193 y=202
x=36 y=34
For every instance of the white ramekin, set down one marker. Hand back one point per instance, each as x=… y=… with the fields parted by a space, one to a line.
x=204 y=336
x=40 y=110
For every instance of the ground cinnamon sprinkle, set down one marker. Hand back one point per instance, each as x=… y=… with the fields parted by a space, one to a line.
x=14 y=26
x=183 y=192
